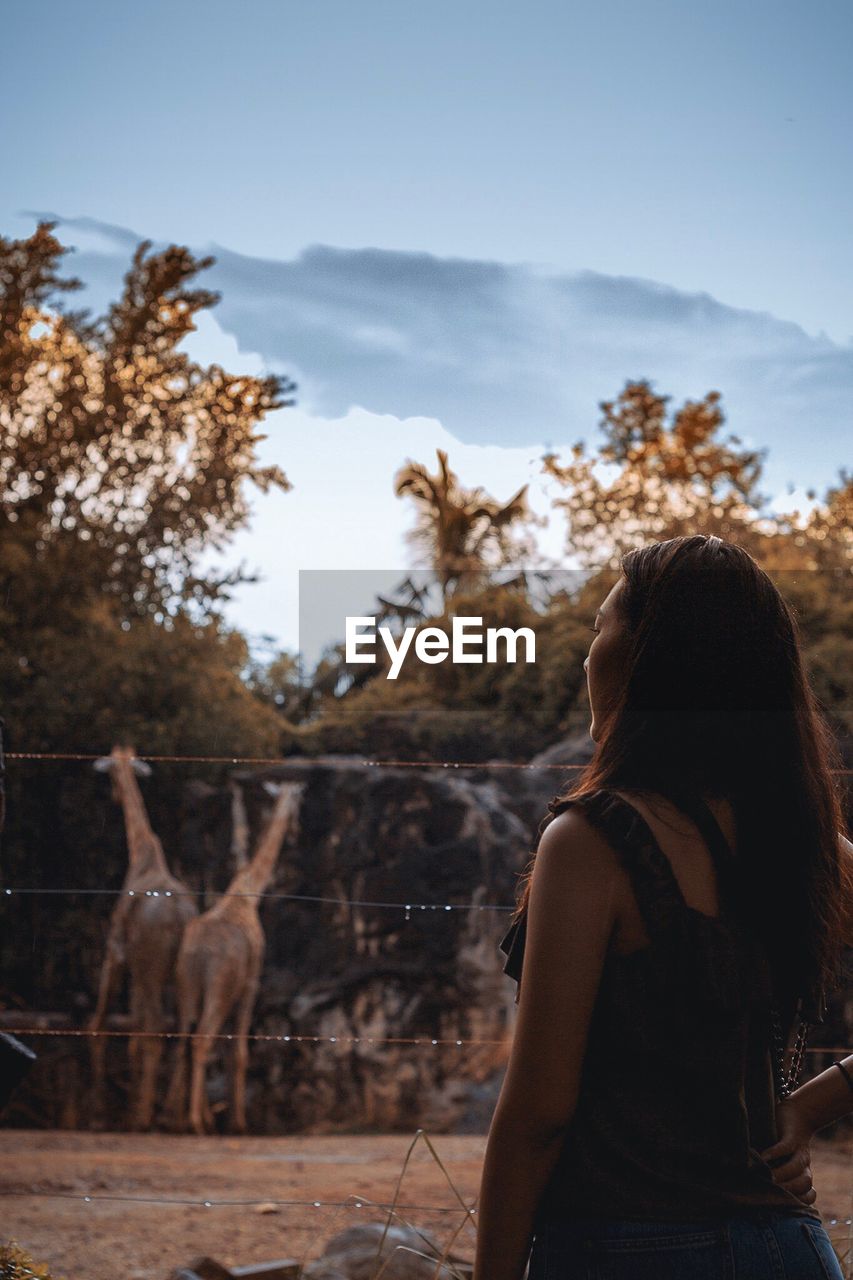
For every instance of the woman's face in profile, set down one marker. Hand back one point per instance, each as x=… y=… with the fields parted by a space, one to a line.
x=604 y=664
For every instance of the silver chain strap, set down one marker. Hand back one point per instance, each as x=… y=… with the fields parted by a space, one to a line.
x=786 y=1079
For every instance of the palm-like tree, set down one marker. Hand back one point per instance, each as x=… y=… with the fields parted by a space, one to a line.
x=462 y=532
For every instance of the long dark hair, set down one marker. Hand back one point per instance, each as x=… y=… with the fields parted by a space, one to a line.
x=716 y=701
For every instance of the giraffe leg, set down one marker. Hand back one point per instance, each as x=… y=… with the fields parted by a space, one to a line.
x=109 y=977
x=151 y=1051
x=241 y=1055
x=135 y=1047
x=177 y=1095
x=176 y=1098
x=209 y=1023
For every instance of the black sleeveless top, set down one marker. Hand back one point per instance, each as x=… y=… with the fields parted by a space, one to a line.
x=677 y=1094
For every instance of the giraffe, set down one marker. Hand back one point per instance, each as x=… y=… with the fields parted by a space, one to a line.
x=219 y=965
x=239 y=826
x=145 y=932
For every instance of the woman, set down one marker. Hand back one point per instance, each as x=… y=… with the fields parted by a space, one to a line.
x=691 y=882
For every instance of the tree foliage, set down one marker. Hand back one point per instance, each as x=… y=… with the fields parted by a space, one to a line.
x=121 y=459
x=462 y=532
x=656 y=474
x=655 y=477
x=123 y=465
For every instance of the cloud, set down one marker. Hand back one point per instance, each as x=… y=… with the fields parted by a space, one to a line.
x=398 y=354
x=512 y=354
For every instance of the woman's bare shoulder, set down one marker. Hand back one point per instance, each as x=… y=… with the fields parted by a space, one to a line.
x=576 y=838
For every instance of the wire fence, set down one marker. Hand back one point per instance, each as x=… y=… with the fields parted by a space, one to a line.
x=350 y=1202
x=259 y=761
x=425 y=1043
x=269 y=1038
x=283 y=897
x=406 y=907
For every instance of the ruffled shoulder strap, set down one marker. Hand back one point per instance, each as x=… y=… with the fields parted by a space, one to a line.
x=703 y=954
x=512 y=945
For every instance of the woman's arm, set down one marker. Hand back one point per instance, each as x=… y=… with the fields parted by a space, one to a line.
x=829 y=1096
x=816 y=1103
x=571 y=914
x=516 y=1169
x=826 y=1097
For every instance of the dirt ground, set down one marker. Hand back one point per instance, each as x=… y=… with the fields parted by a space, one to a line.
x=110 y=1239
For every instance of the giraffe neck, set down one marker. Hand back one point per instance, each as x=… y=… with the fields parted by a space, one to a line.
x=256 y=875
x=144 y=848
x=239 y=828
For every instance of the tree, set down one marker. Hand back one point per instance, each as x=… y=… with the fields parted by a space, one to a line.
x=121 y=459
x=462 y=533
x=122 y=463
x=670 y=479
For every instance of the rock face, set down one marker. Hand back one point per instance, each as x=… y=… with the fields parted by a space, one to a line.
x=356 y=971
x=360 y=948
x=423 y=839
x=363 y=950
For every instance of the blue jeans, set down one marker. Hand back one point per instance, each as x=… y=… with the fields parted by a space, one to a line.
x=765 y=1245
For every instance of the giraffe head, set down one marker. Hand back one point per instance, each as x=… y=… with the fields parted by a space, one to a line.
x=288 y=797
x=107 y=764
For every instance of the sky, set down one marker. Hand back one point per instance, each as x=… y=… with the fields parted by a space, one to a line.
x=460 y=225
